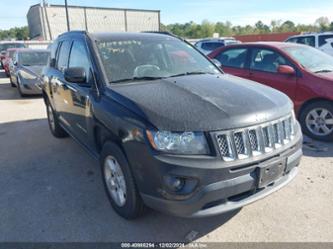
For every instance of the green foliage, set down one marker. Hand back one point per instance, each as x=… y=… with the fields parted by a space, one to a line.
x=207 y=29
x=21 y=33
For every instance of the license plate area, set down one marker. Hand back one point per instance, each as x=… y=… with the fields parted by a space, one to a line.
x=269 y=173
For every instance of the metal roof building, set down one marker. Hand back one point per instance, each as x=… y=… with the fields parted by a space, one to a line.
x=46 y=22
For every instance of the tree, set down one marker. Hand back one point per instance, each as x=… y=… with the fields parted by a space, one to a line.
x=323 y=23
x=261 y=28
x=16 y=33
x=288 y=26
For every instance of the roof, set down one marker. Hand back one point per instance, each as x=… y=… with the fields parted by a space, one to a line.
x=89 y=7
x=268 y=44
x=220 y=39
x=12 y=49
x=11 y=42
x=109 y=36
x=32 y=50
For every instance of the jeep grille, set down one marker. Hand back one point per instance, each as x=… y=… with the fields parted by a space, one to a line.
x=257 y=140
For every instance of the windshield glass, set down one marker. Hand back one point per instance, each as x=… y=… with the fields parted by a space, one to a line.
x=11 y=53
x=151 y=58
x=311 y=58
x=5 y=46
x=33 y=58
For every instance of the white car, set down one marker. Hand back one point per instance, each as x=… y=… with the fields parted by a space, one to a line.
x=207 y=46
x=321 y=41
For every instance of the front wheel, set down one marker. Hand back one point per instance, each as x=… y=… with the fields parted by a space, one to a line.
x=19 y=88
x=11 y=81
x=54 y=124
x=119 y=183
x=317 y=120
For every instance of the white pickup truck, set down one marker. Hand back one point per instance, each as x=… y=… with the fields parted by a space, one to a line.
x=321 y=41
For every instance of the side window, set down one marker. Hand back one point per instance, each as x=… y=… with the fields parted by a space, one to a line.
x=233 y=57
x=293 y=40
x=326 y=39
x=266 y=60
x=307 y=40
x=62 y=55
x=79 y=57
x=211 y=45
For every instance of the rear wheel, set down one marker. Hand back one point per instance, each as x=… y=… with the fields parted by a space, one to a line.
x=317 y=120
x=54 y=124
x=119 y=183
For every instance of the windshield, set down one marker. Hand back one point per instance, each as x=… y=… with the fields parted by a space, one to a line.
x=151 y=58
x=5 y=46
x=311 y=58
x=11 y=53
x=33 y=58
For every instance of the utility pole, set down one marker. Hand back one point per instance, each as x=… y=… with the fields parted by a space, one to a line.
x=67 y=18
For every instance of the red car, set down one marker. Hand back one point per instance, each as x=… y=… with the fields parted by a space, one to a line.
x=7 y=60
x=303 y=73
x=6 y=45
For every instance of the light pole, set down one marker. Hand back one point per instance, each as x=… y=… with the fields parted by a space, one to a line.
x=67 y=18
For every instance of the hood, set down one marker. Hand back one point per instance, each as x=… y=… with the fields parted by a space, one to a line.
x=205 y=102
x=326 y=76
x=37 y=70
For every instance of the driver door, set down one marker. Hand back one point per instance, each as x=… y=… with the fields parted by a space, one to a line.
x=77 y=111
x=264 y=63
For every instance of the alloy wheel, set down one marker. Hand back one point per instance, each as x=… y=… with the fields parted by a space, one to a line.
x=319 y=121
x=115 y=180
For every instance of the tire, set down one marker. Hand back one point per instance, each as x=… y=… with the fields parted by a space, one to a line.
x=11 y=82
x=120 y=183
x=20 y=90
x=317 y=120
x=54 y=125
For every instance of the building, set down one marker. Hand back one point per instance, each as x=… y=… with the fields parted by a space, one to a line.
x=46 y=22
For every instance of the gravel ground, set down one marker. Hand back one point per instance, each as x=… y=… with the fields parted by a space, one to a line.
x=51 y=191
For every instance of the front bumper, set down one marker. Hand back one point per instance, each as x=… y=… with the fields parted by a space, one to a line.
x=235 y=188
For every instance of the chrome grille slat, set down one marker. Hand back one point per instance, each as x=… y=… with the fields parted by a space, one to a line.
x=253 y=141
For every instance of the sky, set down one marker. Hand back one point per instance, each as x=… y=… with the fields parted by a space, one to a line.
x=238 y=12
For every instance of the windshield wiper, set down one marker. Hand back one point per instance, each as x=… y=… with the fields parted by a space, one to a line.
x=189 y=73
x=136 y=79
x=324 y=71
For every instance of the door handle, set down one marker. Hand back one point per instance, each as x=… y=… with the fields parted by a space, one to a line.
x=66 y=86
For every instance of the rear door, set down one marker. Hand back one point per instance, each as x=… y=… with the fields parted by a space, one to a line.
x=234 y=61
x=264 y=64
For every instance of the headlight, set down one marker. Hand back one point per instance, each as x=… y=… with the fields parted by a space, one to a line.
x=27 y=76
x=193 y=143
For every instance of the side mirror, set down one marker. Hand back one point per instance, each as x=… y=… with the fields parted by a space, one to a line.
x=52 y=62
x=75 y=75
x=285 y=69
x=216 y=62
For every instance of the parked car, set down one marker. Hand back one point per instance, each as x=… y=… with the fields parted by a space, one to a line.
x=321 y=41
x=303 y=73
x=8 y=60
x=5 y=45
x=170 y=130
x=26 y=69
x=206 y=46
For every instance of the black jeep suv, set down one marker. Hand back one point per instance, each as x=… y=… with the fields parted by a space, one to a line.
x=171 y=131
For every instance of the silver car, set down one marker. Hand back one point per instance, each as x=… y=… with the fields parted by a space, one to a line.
x=26 y=68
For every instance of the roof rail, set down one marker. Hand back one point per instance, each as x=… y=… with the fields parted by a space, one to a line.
x=163 y=33
x=73 y=32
